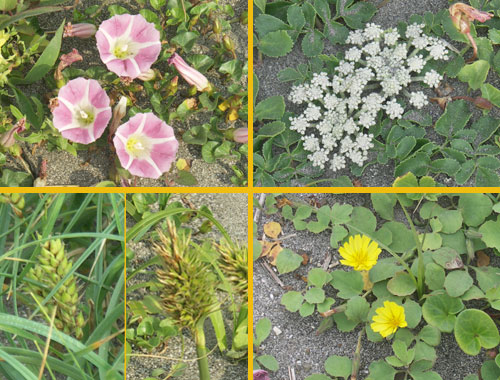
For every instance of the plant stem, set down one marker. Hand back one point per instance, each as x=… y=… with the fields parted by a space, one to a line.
x=201 y=351
x=356 y=361
x=421 y=267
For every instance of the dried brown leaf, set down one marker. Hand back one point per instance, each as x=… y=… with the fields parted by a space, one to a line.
x=483 y=260
x=272 y=229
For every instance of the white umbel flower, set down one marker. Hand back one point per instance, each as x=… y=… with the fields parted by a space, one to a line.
x=418 y=99
x=394 y=109
x=341 y=107
x=432 y=78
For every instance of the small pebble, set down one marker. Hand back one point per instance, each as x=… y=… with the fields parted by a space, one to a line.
x=277 y=331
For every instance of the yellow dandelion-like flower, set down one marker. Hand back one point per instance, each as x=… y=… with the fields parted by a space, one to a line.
x=388 y=319
x=360 y=253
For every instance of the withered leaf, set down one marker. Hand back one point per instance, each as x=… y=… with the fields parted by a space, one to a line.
x=272 y=229
x=305 y=259
x=483 y=260
x=271 y=249
x=456 y=263
x=283 y=202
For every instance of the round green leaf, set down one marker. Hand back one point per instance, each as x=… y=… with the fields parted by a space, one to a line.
x=287 y=261
x=402 y=237
x=363 y=220
x=475 y=74
x=434 y=276
x=401 y=284
x=262 y=330
x=490 y=231
x=451 y=221
x=306 y=309
x=475 y=208
x=430 y=335
x=490 y=370
x=357 y=309
x=384 y=204
x=325 y=305
x=475 y=329
x=413 y=313
x=318 y=277
x=312 y=44
x=315 y=295
x=349 y=284
x=380 y=370
x=276 y=44
x=439 y=311
x=339 y=366
x=269 y=362
x=457 y=283
x=292 y=301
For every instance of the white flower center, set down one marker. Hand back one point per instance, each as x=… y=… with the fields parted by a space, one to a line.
x=84 y=115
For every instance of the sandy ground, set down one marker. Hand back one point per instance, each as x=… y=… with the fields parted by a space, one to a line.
x=93 y=166
x=299 y=346
x=221 y=367
x=389 y=15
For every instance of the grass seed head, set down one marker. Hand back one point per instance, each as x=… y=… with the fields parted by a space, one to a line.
x=52 y=266
x=234 y=264
x=188 y=291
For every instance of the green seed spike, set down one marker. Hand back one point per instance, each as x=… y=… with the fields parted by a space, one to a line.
x=188 y=291
x=52 y=266
x=234 y=264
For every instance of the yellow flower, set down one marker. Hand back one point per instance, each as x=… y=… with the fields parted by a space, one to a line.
x=360 y=253
x=388 y=319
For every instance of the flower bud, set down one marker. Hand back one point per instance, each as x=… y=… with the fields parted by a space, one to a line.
x=228 y=43
x=217 y=27
x=172 y=86
x=147 y=75
x=244 y=18
x=82 y=30
x=119 y=112
x=193 y=21
x=7 y=139
x=241 y=135
x=190 y=75
x=260 y=374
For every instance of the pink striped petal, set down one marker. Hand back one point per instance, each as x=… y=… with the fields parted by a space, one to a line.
x=152 y=145
x=79 y=97
x=117 y=25
x=143 y=31
x=128 y=45
x=72 y=90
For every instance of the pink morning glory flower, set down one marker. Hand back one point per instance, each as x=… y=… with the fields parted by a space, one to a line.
x=146 y=145
x=128 y=45
x=83 y=110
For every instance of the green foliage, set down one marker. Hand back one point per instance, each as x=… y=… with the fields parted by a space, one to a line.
x=432 y=286
x=278 y=31
x=52 y=283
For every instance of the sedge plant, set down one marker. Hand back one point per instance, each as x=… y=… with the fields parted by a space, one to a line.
x=188 y=288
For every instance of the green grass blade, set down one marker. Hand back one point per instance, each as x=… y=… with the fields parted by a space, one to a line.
x=70 y=343
x=18 y=366
x=142 y=227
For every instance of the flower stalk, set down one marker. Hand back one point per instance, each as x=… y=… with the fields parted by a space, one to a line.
x=421 y=266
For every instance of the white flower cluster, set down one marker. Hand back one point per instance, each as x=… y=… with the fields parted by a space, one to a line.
x=374 y=71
